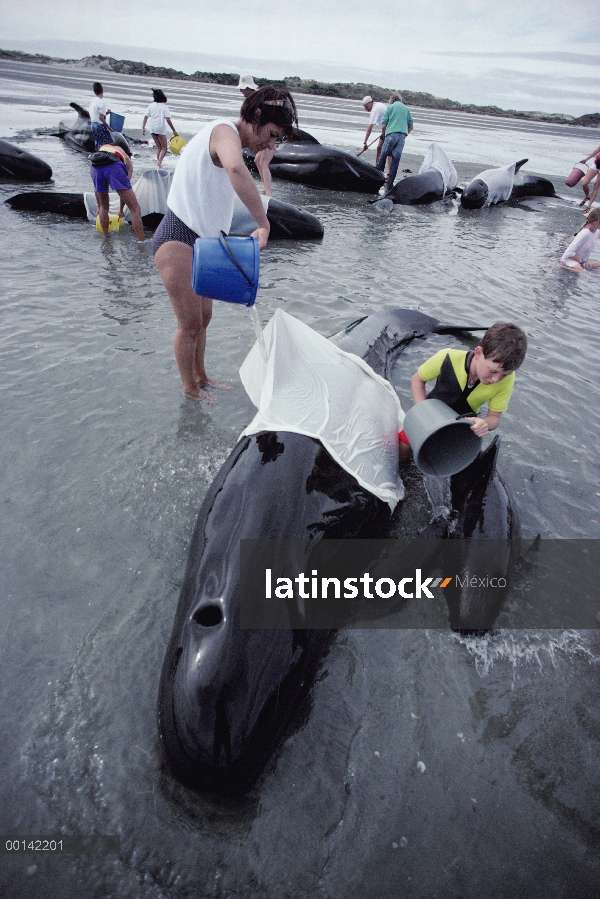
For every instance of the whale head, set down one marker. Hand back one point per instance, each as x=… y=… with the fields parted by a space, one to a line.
x=474 y=195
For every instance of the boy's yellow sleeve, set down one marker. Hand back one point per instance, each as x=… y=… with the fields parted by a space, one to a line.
x=500 y=400
x=431 y=368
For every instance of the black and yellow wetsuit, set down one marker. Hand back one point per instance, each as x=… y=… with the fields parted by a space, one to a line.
x=451 y=368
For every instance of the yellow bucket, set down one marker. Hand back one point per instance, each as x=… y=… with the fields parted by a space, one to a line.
x=114 y=222
x=176 y=144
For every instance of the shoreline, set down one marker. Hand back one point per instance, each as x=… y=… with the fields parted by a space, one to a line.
x=341 y=90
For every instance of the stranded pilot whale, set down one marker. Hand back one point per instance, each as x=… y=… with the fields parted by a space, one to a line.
x=436 y=178
x=318 y=165
x=227 y=694
x=151 y=189
x=503 y=184
x=79 y=135
x=20 y=165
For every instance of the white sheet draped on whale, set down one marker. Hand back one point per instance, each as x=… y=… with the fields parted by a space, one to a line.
x=436 y=158
x=310 y=386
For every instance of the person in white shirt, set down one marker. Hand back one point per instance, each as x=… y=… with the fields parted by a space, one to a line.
x=160 y=116
x=263 y=158
x=377 y=112
x=576 y=256
x=200 y=204
x=98 y=112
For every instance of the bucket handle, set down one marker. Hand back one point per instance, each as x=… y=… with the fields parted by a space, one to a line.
x=228 y=250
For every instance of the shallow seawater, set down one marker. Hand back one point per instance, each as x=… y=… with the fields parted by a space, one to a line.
x=104 y=467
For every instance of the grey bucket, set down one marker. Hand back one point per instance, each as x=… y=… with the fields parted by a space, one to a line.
x=442 y=441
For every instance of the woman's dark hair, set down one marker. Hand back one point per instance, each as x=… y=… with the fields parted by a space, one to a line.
x=158 y=95
x=274 y=105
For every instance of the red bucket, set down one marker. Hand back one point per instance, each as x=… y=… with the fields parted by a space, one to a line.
x=577 y=174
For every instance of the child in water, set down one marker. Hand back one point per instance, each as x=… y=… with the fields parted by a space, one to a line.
x=577 y=254
x=467 y=380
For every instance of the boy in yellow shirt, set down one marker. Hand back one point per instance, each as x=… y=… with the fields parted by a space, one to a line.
x=467 y=380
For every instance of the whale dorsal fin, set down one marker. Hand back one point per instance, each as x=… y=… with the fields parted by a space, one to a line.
x=80 y=110
x=519 y=164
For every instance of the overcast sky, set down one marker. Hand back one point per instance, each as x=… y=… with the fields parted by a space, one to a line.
x=525 y=54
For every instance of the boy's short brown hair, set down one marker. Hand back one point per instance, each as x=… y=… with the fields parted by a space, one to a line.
x=506 y=344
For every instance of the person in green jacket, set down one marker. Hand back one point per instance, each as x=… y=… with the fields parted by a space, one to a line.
x=396 y=126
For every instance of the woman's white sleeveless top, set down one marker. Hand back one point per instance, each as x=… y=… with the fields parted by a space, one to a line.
x=201 y=194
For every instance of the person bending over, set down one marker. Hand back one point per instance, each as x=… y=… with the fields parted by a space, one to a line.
x=263 y=158
x=467 y=380
x=200 y=204
x=592 y=172
x=118 y=176
x=396 y=126
x=376 y=113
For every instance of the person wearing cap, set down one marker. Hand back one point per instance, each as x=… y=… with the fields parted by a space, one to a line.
x=263 y=157
x=396 y=126
x=377 y=112
x=247 y=86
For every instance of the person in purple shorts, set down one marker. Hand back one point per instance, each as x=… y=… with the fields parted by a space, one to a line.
x=116 y=175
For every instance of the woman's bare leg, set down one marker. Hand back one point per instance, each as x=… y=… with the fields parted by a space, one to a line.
x=174 y=262
x=161 y=147
x=103 y=208
x=589 y=176
x=129 y=199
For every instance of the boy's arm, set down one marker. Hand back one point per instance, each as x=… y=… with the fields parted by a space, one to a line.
x=482 y=426
x=432 y=368
x=417 y=386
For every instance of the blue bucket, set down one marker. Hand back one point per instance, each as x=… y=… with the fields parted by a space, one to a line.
x=226 y=268
x=116 y=121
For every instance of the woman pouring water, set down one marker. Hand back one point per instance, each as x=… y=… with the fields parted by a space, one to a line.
x=200 y=204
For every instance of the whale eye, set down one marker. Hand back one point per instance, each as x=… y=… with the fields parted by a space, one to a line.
x=208 y=616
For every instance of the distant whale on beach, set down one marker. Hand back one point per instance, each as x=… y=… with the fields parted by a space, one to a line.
x=79 y=135
x=317 y=165
x=18 y=164
x=436 y=178
x=287 y=221
x=504 y=184
x=226 y=693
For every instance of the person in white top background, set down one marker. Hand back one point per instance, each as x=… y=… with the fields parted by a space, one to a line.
x=377 y=111
x=160 y=116
x=576 y=256
x=98 y=112
x=263 y=158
